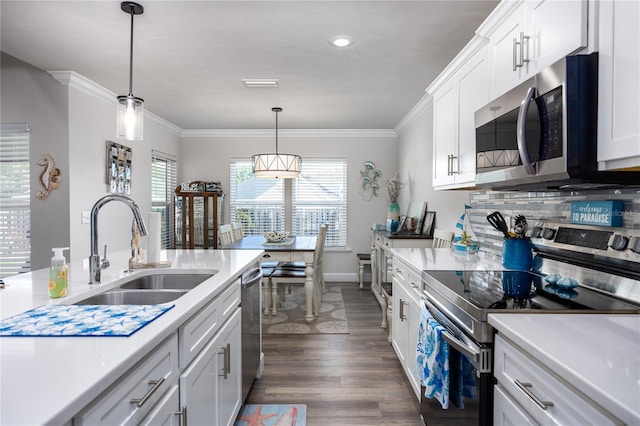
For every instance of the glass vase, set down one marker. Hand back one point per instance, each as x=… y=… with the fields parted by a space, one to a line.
x=393 y=217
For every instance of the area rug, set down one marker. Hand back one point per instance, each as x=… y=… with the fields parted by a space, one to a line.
x=272 y=415
x=290 y=316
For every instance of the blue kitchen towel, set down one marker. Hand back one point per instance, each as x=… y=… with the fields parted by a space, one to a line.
x=81 y=320
x=432 y=359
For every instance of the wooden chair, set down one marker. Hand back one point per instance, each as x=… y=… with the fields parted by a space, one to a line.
x=284 y=274
x=226 y=235
x=441 y=238
x=238 y=234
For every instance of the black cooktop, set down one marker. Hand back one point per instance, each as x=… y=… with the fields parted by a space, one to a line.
x=494 y=289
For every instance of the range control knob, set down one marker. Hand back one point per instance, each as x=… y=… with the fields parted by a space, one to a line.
x=619 y=242
x=548 y=233
x=634 y=245
x=535 y=232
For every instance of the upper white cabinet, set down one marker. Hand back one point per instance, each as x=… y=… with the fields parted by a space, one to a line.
x=527 y=36
x=619 y=85
x=457 y=93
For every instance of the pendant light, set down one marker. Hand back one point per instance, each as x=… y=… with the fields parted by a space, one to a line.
x=276 y=165
x=130 y=109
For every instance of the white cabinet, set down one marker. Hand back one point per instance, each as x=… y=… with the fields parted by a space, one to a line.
x=166 y=412
x=528 y=390
x=406 y=318
x=619 y=85
x=132 y=397
x=457 y=94
x=527 y=36
x=210 y=386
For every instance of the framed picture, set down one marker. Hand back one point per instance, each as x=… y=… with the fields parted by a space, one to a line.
x=417 y=210
x=429 y=224
x=118 y=176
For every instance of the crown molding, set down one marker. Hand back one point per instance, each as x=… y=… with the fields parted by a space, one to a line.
x=77 y=81
x=418 y=109
x=289 y=133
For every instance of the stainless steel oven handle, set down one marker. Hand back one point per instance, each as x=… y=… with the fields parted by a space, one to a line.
x=470 y=351
x=521 y=131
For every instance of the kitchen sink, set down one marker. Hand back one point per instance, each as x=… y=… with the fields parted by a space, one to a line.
x=167 y=281
x=132 y=297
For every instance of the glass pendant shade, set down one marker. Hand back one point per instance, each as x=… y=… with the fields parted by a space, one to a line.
x=130 y=118
x=276 y=165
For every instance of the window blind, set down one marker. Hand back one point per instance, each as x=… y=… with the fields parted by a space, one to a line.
x=256 y=203
x=163 y=185
x=15 y=210
x=319 y=196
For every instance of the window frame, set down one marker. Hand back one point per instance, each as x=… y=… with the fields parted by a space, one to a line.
x=166 y=207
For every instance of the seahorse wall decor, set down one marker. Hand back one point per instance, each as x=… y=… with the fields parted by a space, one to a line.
x=50 y=177
x=369 y=177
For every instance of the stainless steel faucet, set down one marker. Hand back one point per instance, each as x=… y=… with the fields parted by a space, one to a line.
x=95 y=265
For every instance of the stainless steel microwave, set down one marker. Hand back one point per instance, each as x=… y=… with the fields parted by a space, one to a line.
x=542 y=135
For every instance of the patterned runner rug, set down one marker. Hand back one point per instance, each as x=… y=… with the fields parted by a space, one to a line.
x=272 y=415
x=290 y=316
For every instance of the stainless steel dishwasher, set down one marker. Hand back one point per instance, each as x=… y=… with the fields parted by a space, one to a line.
x=251 y=324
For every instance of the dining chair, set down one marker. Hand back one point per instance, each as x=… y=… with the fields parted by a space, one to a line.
x=295 y=274
x=238 y=234
x=442 y=238
x=226 y=235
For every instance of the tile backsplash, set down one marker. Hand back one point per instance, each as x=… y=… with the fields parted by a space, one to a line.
x=539 y=207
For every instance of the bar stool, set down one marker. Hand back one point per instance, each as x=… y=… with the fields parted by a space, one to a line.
x=363 y=259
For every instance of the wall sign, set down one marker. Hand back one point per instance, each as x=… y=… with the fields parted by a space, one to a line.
x=119 y=168
x=599 y=213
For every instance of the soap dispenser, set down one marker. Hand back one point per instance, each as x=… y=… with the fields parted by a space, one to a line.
x=58 y=274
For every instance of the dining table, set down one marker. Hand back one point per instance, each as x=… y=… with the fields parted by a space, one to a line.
x=292 y=248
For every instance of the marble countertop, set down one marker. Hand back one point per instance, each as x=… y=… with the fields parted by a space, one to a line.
x=597 y=354
x=47 y=380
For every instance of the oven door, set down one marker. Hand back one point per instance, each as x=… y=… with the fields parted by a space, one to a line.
x=477 y=410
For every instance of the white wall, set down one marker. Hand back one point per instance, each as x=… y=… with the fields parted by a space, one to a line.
x=72 y=119
x=415 y=159
x=31 y=96
x=207 y=158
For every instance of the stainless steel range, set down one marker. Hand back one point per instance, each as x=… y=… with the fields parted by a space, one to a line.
x=576 y=269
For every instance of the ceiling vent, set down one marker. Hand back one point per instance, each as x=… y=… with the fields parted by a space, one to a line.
x=260 y=83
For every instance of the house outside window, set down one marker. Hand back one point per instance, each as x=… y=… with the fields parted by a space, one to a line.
x=301 y=205
x=163 y=184
x=15 y=207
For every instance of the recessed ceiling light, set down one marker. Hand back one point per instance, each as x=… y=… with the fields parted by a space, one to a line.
x=341 y=41
x=269 y=83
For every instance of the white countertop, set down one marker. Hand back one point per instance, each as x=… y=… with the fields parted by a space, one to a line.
x=49 y=379
x=433 y=259
x=597 y=354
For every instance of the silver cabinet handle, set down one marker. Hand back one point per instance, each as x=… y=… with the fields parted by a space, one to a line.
x=401 y=311
x=520 y=44
x=183 y=415
x=228 y=360
x=525 y=387
x=224 y=353
x=155 y=385
x=454 y=171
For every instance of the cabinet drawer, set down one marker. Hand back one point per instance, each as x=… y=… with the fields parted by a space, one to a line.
x=165 y=411
x=151 y=378
x=195 y=334
x=408 y=277
x=277 y=256
x=229 y=300
x=567 y=406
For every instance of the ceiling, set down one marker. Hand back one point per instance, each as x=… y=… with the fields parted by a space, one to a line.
x=190 y=56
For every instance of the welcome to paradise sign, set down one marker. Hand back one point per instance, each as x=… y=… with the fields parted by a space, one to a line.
x=599 y=213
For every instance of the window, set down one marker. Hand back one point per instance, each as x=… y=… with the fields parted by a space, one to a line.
x=256 y=203
x=318 y=196
x=15 y=210
x=163 y=185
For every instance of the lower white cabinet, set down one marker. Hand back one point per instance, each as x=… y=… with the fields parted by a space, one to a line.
x=406 y=318
x=527 y=390
x=194 y=377
x=210 y=387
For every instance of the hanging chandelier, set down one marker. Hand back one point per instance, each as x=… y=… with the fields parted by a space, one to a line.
x=276 y=165
x=130 y=109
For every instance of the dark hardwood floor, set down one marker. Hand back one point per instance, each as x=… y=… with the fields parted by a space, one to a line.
x=344 y=379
